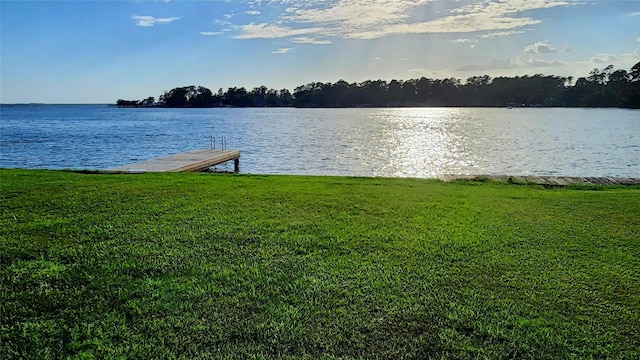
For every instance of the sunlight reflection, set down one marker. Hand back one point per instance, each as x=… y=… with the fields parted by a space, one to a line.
x=426 y=142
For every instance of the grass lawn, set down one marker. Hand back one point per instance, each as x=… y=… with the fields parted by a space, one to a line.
x=244 y=266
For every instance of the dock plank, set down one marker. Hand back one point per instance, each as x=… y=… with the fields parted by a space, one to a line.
x=196 y=160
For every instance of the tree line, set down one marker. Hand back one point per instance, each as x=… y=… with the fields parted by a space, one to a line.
x=600 y=88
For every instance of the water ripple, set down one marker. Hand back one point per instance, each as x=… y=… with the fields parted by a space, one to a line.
x=407 y=142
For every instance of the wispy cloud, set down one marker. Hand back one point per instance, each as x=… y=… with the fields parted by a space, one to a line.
x=351 y=14
x=605 y=58
x=481 y=16
x=418 y=71
x=266 y=31
x=506 y=64
x=542 y=47
x=253 y=12
x=210 y=33
x=501 y=33
x=634 y=56
x=371 y=19
x=464 y=41
x=310 y=40
x=537 y=63
x=490 y=64
x=223 y=22
x=147 y=21
x=282 y=51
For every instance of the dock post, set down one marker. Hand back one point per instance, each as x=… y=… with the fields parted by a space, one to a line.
x=236 y=165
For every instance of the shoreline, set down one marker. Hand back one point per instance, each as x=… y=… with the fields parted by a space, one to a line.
x=555 y=181
x=544 y=180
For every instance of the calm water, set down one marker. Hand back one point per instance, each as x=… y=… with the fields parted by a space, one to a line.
x=416 y=142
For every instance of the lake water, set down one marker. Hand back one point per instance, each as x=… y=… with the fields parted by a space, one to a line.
x=389 y=142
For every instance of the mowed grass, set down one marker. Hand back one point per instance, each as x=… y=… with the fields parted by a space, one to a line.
x=240 y=266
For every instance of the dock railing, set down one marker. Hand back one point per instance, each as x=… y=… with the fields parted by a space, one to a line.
x=223 y=143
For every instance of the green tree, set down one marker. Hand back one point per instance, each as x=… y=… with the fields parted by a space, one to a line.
x=423 y=89
x=239 y=97
x=176 y=97
x=634 y=73
x=201 y=97
x=409 y=91
x=272 y=98
x=258 y=96
x=394 y=92
x=286 y=98
x=632 y=92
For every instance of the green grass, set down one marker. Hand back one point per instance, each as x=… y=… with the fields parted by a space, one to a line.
x=240 y=266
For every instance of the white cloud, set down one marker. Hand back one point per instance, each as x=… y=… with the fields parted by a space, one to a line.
x=537 y=63
x=605 y=58
x=371 y=19
x=253 y=12
x=223 y=23
x=508 y=7
x=310 y=40
x=638 y=38
x=282 y=51
x=635 y=13
x=451 y=24
x=501 y=33
x=210 y=33
x=464 y=41
x=357 y=13
x=482 y=16
x=634 y=56
x=418 y=71
x=502 y=64
x=489 y=64
x=144 y=20
x=622 y=61
x=266 y=31
x=541 y=47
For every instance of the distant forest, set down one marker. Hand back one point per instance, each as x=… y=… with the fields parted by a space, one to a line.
x=601 y=88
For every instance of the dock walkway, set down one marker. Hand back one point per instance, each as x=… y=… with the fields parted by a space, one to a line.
x=196 y=160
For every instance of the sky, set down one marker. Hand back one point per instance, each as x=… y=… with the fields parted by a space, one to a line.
x=101 y=51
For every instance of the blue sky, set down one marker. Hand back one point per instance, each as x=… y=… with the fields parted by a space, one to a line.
x=99 y=51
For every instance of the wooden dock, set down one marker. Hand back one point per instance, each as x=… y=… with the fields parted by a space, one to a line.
x=197 y=160
x=551 y=181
